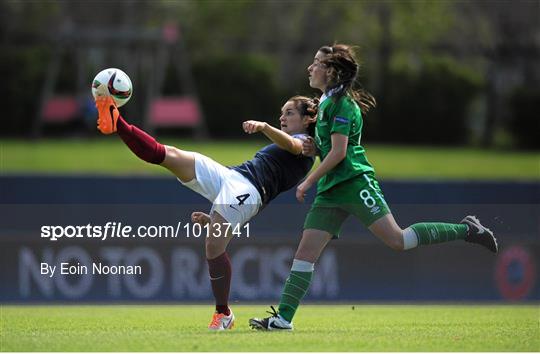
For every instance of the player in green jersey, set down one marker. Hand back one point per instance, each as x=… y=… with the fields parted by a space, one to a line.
x=346 y=185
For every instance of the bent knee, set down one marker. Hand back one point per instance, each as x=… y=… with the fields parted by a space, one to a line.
x=172 y=154
x=396 y=243
x=394 y=240
x=179 y=162
x=396 y=246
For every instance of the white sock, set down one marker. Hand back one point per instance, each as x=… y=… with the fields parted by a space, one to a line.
x=302 y=266
x=410 y=240
x=281 y=318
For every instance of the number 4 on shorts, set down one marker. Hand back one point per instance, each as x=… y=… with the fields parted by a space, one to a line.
x=242 y=198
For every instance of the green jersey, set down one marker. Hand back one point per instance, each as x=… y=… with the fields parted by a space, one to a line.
x=341 y=116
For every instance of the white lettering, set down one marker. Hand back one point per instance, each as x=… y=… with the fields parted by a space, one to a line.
x=75 y=287
x=155 y=272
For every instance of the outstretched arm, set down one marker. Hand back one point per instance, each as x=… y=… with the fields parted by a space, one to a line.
x=280 y=138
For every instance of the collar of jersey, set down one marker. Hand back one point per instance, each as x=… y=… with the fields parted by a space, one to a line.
x=329 y=93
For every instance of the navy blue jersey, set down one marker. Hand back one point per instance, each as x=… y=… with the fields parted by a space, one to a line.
x=274 y=170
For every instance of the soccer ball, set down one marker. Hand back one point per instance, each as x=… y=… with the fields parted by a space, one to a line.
x=113 y=82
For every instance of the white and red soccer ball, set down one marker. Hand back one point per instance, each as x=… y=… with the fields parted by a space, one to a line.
x=115 y=83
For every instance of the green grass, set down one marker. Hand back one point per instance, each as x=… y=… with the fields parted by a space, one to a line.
x=318 y=328
x=109 y=156
x=104 y=156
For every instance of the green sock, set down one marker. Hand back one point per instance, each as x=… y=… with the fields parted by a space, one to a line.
x=436 y=232
x=295 y=288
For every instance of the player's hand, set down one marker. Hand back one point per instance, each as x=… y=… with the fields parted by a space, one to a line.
x=302 y=189
x=253 y=126
x=198 y=217
x=308 y=147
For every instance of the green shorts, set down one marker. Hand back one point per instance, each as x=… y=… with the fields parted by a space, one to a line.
x=360 y=196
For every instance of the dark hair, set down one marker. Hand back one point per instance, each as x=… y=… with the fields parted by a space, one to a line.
x=342 y=59
x=307 y=107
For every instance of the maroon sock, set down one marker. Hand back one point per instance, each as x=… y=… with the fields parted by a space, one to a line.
x=142 y=144
x=220 y=277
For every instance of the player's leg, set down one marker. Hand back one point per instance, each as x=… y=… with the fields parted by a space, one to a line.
x=181 y=163
x=296 y=286
x=220 y=271
x=469 y=230
x=373 y=211
x=322 y=223
x=237 y=202
x=388 y=231
x=142 y=144
x=415 y=235
x=429 y=233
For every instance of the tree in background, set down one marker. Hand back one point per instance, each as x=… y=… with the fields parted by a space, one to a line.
x=481 y=50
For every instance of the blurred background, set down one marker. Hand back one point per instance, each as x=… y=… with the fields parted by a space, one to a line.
x=456 y=131
x=467 y=72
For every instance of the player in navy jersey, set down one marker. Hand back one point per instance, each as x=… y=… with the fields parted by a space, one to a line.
x=237 y=193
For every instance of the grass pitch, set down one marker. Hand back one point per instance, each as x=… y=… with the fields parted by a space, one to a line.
x=105 y=156
x=318 y=328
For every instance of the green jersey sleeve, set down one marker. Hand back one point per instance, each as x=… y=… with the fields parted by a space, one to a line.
x=342 y=118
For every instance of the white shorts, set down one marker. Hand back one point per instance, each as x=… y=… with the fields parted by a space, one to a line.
x=233 y=196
